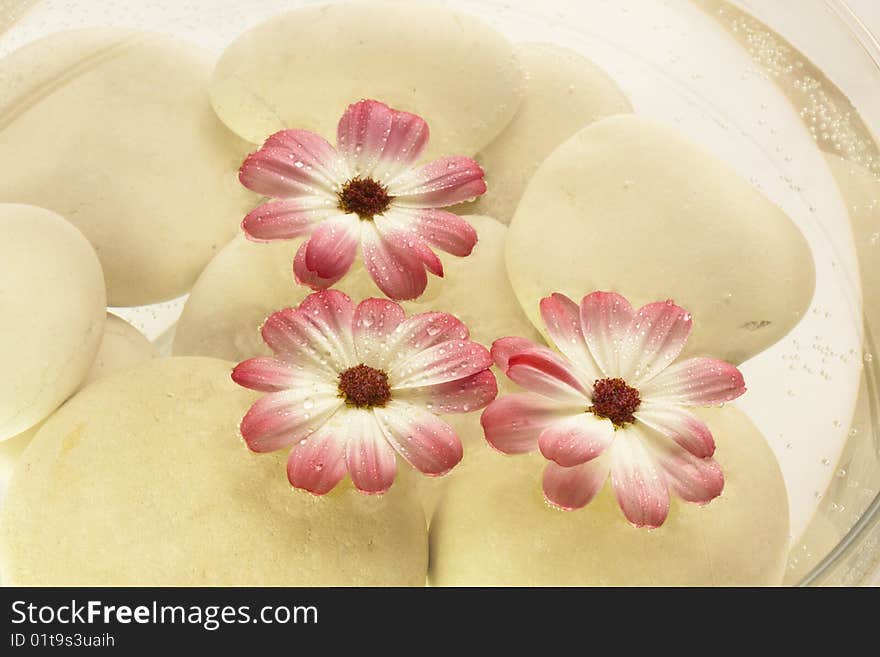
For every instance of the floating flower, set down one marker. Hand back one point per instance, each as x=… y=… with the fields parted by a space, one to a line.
x=367 y=191
x=352 y=386
x=615 y=402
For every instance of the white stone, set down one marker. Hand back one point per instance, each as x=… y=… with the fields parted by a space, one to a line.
x=303 y=68
x=53 y=306
x=564 y=93
x=494 y=528
x=122 y=347
x=628 y=205
x=142 y=479
x=113 y=130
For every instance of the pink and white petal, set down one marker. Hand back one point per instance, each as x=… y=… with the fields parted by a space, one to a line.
x=443 y=230
x=573 y=488
x=605 y=317
x=312 y=153
x=277 y=172
x=447 y=361
x=400 y=275
x=438 y=184
x=394 y=230
x=460 y=396
x=331 y=315
x=371 y=461
x=404 y=145
x=545 y=372
x=317 y=463
x=576 y=439
x=304 y=276
x=679 y=425
x=695 y=382
x=281 y=419
x=639 y=481
x=654 y=339
x=512 y=423
x=285 y=220
x=362 y=134
x=333 y=246
x=504 y=348
x=421 y=332
x=426 y=442
x=562 y=319
x=268 y=374
x=317 y=334
x=375 y=326
x=694 y=479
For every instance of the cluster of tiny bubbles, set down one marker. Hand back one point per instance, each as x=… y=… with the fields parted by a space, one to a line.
x=830 y=117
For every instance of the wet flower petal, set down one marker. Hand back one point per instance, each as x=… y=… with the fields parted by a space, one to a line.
x=280 y=419
x=638 y=480
x=575 y=487
x=371 y=461
x=605 y=317
x=654 y=339
x=424 y=440
x=697 y=382
x=317 y=463
x=512 y=423
x=438 y=184
x=576 y=439
x=286 y=219
x=680 y=425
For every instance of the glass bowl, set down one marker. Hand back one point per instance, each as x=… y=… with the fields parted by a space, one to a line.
x=789 y=99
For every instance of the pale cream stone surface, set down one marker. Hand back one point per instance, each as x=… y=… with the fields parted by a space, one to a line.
x=303 y=68
x=122 y=347
x=492 y=526
x=113 y=129
x=564 y=92
x=143 y=479
x=628 y=205
x=53 y=307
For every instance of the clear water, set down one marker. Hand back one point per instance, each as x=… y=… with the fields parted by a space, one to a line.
x=745 y=94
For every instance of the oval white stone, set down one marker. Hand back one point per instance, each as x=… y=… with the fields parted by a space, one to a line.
x=122 y=347
x=564 y=92
x=303 y=68
x=628 y=205
x=113 y=130
x=142 y=479
x=494 y=528
x=53 y=308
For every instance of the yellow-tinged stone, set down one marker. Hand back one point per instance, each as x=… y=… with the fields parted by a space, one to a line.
x=142 y=479
x=628 y=205
x=113 y=129
x=493 y=527
x=122 y=347
x=564 y=92
x=302 y=69
x=52 y=308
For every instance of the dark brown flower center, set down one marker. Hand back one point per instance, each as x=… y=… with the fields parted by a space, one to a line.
x=364 y=197
x=613 y=399
x=364 y=387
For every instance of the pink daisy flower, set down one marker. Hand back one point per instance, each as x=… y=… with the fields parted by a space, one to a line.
x=367 y=191
x=350 y=387
x=613 y=402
